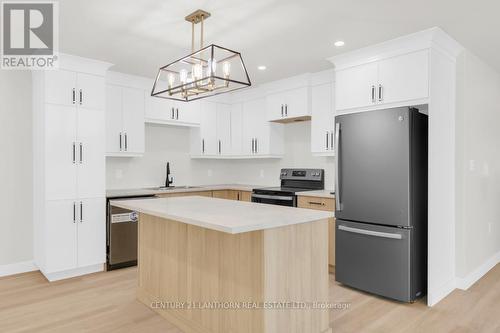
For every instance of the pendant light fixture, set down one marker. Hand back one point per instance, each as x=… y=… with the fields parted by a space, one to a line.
x=209 y=71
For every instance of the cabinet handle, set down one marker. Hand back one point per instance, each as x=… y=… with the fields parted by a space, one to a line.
x=120 y=141
x=74 y=95
x=177 y=115
x=203 y=146
x=74 y=152
x=316 y=203
x=373 y=94
x=256 y=146
x=327 y=140
x=172 y=116
x=74 y=212
x=380 y=93
x=331 y=140
x=81 y=212
x=286 y=110
x=219 y=148
x=282 y=114
x=253 y=146
x=81 y=153
x=126 y=141
x=81 y=97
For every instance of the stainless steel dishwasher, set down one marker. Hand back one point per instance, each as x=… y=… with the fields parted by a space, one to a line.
x=121 y=234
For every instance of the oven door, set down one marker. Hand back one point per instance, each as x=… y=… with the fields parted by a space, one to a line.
x=275 y=199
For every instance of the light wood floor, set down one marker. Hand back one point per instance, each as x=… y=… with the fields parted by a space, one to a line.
x=105 y=302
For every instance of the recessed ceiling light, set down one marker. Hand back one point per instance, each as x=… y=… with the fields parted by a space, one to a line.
x=339 y=43
x=261 y=68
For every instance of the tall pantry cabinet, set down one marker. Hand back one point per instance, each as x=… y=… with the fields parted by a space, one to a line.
x=69 y=168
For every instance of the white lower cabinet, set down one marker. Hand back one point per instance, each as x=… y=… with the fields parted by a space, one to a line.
x=322 y=120
x=75 y=234
x=91 y=232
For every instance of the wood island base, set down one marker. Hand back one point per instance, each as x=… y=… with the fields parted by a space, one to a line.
x=207 y=281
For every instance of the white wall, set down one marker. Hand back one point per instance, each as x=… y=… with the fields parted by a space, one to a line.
x=16 y=229
x=478 y=169
x=169 y=143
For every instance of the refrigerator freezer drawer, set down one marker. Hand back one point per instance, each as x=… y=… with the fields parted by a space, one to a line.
x=374 y=258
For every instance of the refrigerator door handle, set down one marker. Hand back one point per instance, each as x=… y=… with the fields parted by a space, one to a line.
x=337 y=155
x=370 y=232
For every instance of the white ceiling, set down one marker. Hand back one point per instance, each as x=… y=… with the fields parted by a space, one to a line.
x=288 y=36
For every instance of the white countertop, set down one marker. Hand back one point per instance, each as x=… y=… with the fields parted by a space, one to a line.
x=223 y=215
x=152 y=191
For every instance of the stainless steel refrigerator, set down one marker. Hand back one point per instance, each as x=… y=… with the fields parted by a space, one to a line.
x=381 y=202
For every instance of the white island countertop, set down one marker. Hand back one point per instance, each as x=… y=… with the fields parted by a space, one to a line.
x=228 y=216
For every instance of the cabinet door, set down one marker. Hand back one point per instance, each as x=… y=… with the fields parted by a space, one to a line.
x=250 y=118
x=354 y=85
x=60 y=152
x=159 y=109
x=404 y=78
x=297 y=103
x=275 y=106
x=261 y=128
x=188 y=112
x=90 y=156
x=91 y=90
x=60 y=87
x=133 y=120
x=91 y=232
x=237 y=129
x=208 y=128
x=322 y=118
x=114 y=138
x=60 y=235
x=223 y=129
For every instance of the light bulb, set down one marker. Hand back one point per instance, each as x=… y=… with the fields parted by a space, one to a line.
x=212 y=66
x=226 y=68
x=171 y=80
x=183 y=75
x=197 y=71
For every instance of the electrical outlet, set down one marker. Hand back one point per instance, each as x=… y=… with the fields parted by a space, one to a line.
x=119 y=174
x=209 y=173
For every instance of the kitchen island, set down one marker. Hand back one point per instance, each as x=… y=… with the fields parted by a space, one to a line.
x=214 y=265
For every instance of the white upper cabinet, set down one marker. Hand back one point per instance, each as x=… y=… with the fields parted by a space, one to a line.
x=356 y=86
x=90 y=91
x=404 y=78
x=124 y=121
x=286 y=105
x=207 y=138
x=170 y=112
x=237 y=129
x=60 y=87
x=392 y=81
x=133 y=120
x=223 y=129
x=322 y=121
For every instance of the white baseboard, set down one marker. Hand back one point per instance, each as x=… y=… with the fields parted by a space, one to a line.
x=55 y=276
x=471 y=278
x=17 y=268
x=435 y=296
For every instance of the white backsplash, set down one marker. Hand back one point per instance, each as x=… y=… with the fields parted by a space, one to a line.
x=171 y=144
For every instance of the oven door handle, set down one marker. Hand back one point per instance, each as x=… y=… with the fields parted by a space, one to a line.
x=272 y=197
